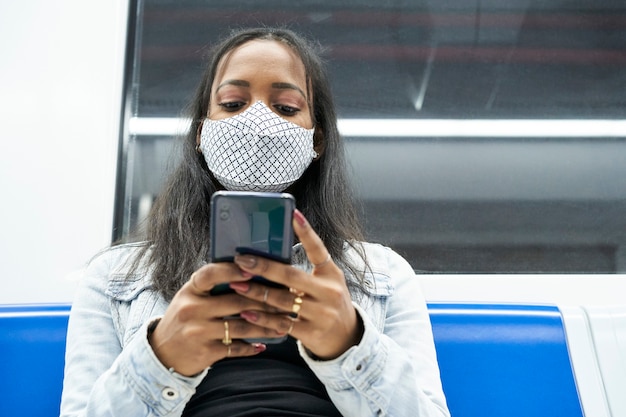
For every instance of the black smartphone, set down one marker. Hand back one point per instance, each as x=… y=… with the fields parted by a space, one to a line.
x=251 y=223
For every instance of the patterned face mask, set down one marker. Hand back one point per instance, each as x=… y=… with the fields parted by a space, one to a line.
x=256 y=150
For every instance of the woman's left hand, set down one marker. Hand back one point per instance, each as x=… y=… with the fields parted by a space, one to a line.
x=327 y=323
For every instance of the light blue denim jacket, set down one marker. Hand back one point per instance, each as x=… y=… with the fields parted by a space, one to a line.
x=111 y=370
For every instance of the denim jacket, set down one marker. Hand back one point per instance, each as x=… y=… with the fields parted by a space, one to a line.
x=111 y=370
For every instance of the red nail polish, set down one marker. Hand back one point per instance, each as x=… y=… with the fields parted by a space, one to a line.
x=259 y=347
x=299 y=217
x=240 y=286
x=246 y=261
x=249 y=315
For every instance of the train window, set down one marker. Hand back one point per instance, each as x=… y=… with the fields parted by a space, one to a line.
x=483 y=136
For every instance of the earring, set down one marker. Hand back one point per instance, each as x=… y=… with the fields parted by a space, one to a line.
x=198 y=148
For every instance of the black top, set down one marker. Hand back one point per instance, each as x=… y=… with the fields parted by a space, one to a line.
x=274 y=383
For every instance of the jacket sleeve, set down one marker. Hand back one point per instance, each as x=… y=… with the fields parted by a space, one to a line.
x=104 y=379
x=394 y=371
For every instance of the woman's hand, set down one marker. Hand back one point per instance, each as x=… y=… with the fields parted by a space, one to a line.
x=193 y=333
x=327 y=323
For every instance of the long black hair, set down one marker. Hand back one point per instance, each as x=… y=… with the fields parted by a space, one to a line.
x=177 y=228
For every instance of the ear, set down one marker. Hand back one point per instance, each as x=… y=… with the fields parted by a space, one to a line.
x=319 y=143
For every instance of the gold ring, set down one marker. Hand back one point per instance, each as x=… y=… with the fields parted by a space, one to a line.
x=296 y=292
x=297 y=304
x=290 y=327
x=226 y=340
x=267 y=290
x=228 y=351
x=324 y=262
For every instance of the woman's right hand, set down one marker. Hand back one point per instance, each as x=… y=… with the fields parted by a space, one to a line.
x=191 y=335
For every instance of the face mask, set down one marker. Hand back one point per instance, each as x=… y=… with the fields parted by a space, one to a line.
x=256 y=150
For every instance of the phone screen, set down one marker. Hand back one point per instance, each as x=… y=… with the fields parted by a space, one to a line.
x=251 y=222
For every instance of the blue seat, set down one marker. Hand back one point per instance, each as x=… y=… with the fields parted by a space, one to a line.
x=32 y=348
x=495 y=360
x=504 y=360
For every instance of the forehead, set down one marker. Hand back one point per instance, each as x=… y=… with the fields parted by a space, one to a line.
x=263 y=60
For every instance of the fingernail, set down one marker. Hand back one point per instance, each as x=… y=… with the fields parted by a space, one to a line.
x=240 y=286
x=299 y=217
x=259 y=347
x=247 y=261
x=249 y=315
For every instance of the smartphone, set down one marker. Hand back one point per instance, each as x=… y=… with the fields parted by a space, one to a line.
x=251 y=223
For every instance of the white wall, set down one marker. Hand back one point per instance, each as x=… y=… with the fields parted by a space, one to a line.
x=60 y=81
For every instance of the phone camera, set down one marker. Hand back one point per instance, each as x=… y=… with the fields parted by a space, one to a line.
x=225 y=212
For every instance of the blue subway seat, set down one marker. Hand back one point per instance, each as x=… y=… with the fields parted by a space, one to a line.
x=504 y=360
x=32 y=348
x=495 y=360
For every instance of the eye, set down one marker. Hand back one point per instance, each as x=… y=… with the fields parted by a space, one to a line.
x=232 y=105
x=286 y=110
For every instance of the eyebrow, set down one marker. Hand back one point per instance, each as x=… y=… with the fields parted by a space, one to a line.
x=288 y=86
x=238 y=83
x=278 y=86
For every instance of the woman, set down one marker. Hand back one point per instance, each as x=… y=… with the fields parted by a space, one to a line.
x=147 y=339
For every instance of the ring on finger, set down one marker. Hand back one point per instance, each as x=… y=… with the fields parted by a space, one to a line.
x=296 y=292
x=228 y=351
x=226 y=340
x=297 y=304
x=324 y=262
x=291 y=326
x=267 y=291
